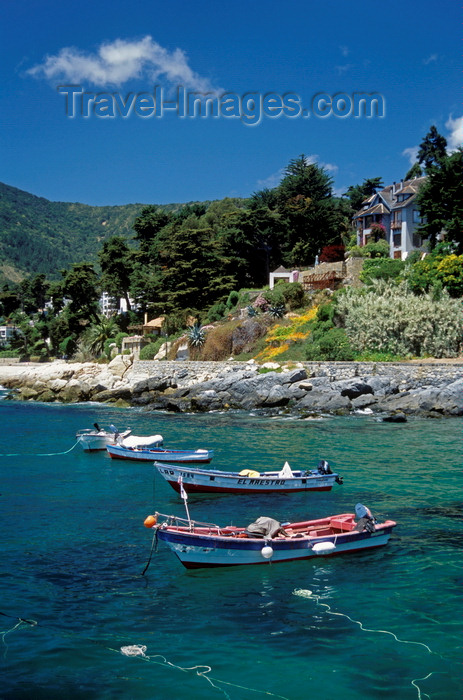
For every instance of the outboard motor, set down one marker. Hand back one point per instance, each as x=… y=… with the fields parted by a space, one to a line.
x=324 y=467
x=366 y=520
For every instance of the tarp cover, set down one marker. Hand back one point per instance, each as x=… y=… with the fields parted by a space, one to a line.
x=264 y=527
x=286 y=472
x=135 y=441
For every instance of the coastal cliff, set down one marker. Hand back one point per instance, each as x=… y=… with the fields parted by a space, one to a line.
x=431 y=389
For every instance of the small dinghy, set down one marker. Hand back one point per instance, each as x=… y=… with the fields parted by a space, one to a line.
x=96 y=438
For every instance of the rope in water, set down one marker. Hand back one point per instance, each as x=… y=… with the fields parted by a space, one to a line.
x=38 y=454
x=305 y=593
x=139 y=651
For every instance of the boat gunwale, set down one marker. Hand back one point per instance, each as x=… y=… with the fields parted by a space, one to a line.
x=223 y=535
x=297 y=473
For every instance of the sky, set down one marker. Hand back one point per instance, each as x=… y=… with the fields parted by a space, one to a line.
x=97 y=98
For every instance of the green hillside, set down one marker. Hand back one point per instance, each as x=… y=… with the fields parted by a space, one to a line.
x=39 y=236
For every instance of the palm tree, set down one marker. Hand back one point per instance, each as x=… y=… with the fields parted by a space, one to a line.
x=94 y=339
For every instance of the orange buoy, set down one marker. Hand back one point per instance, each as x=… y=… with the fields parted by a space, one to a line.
x=150 y=521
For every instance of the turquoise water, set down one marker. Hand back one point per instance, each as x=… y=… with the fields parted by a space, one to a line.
x=383 y=624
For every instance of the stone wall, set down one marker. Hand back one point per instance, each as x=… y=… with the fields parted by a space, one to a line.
x=418 y=372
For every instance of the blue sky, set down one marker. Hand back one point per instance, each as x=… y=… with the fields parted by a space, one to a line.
x=407 y=53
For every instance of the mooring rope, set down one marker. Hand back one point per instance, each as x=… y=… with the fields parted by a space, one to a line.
x=40 y=454
x=139 y=651
x=305 y=593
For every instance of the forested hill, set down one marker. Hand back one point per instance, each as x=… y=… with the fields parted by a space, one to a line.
x=39 y=236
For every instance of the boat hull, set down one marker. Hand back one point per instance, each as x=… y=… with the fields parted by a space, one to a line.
x=94 y=443
x=198 y=551
x=97 y=440
x=214 y=481
x=160 y=455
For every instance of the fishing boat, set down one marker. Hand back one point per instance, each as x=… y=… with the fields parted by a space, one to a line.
x=150 y=449
x=199 y=545
x=96 y=438
x=287 y=480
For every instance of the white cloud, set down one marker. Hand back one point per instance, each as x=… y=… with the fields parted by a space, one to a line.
x=117 y=62
x=455 y=138
x=327 y=166
x=272 y=180
x=430 y=59
x=411 y=153
x=345 y=68
x=344 y=50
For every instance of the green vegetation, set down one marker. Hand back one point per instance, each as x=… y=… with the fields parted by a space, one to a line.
x=209 y=262
x=390 y=318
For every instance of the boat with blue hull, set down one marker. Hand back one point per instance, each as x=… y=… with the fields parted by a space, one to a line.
x=199 y=545
x=149 y=449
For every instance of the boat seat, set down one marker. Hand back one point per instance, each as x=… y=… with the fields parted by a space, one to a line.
x=343 y=525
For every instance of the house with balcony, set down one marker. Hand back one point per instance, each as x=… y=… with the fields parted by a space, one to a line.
x=393 y=214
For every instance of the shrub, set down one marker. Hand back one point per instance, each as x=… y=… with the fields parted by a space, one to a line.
x=232 y=300
x=378 y=249
x=332 y=253
x=218 y=344
x=216 y=312
x=381 y=268
x=389 y=318
x=150 y=351
x=261 y=303
x=9 y=353
x=68 y=347
x=290 y=294
x=119 y=338
x=334 y=346
x=378 y=231
x=445 y=270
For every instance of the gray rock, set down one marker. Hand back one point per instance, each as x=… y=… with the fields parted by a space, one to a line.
x=352 y=388
x=296 y=375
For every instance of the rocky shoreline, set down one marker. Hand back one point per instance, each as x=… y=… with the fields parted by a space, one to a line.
x=393 y=390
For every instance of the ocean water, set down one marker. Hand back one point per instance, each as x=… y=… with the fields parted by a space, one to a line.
x=372 y=625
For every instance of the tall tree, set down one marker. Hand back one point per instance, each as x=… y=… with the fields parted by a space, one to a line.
x=252 y=241
x=116 y=261
x=306 y=204
x=358 y=193
x=432 y=150
x=80 y=285
x=441 y=201
x=147 y=226
x=193 y=275
x=415 y=171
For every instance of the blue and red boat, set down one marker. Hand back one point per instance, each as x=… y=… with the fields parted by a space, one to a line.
x=207 y=545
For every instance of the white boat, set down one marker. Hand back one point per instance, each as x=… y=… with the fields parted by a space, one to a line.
x=96 y=438
x=287 y=480
x=200 y=545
